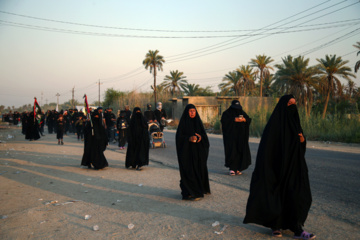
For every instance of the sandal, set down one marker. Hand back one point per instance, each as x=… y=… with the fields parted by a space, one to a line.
x=305 y=235
x=276 y=233
x=232 y=173
x=238 y=173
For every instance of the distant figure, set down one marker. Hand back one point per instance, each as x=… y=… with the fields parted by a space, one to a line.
x=192 y=148
x=280 y=196
x=79 y=125
x=95 y=143
x=32 y=128
x=160 y=115
x=137 y=154
x=235 y=127
x=122 y=126
x=149 y=114
x=110 y=120
x=61 y=124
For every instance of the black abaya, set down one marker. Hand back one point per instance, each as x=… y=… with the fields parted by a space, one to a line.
x=95 y=145
x=280 y=195
x=32 y=128
x=192 y=157
x=236 y=138
x=137 y=154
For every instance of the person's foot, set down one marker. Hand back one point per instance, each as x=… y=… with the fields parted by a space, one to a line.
x=138 y=169
x=62 y=143
x=191 y=198
x=232 y=173
x=276 y=233
x=238 y=173
x=58 y=143
x=305 y=235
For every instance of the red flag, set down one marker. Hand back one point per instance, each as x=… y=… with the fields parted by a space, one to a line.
x=86 y=105
x=36 y=105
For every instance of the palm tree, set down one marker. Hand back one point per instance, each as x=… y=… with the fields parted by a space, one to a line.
x=247 y=75
x=231 y=83
x=268 y=80
x=192 y=89
x=330 y=69
x=262 y=63
x=154 y=61
x=350 y=88
x=174 y=81
x=294 y=76
x=357 y=65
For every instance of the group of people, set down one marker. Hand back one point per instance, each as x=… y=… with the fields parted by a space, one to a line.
x=280 y=195
x=132 y=129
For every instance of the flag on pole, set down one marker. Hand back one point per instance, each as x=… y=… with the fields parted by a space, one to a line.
x=88 y=113
x=86 y=105
x=36 y=105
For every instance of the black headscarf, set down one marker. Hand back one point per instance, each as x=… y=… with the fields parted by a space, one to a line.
x=236 y=138
x=137 y=154
x=280 y=195
x=192 y=157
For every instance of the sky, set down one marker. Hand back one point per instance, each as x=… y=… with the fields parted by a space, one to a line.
x=50 y=47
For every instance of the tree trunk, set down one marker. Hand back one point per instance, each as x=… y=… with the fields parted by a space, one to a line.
x=328 y=96
x=245 y=87
x=155 y=85
x=261 y=81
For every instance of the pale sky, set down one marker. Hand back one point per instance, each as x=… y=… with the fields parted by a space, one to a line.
x=49 y=47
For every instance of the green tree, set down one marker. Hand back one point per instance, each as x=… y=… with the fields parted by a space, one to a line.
x=331 y=68
x=192 y=89
x=268 y=80
x=262 y=63
x=231 y=83
x=154 y=61
x=196 y=90
x=247 y=74
x=296 y=77
x=174 y=81
x=112 y=96
x=357 y=64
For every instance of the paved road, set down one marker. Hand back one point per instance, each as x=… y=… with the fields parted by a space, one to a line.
x=334 y=175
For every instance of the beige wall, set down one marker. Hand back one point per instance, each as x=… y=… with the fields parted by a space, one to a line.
x=209 y=108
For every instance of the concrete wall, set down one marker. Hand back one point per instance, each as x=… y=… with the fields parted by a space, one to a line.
x=209 y=108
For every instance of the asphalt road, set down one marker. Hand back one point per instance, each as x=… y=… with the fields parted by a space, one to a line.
x=334 y=175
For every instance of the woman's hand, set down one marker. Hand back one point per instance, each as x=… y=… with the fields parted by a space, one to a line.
x=302 y=139
x=198 y=137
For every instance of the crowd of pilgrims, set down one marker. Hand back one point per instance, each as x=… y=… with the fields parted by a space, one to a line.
x=280 y=195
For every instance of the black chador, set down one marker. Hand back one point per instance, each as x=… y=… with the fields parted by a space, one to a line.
x=192 y=148
x=95 y=144
x=235 y=126
x=280 y=195
x=137 y=154
x=32 y=128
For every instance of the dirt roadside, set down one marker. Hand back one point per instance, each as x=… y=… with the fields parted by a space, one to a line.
x=45 y=194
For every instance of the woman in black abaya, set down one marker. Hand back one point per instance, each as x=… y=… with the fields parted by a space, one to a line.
x=280 y=196
x=137 y=154
x=95 y=144
x=235 y=127
x=32 y=128
x=192 y=148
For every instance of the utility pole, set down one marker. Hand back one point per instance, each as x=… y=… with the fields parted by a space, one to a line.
x=99 y=93
x=73 y=102
x=41 y=98
x=57 y=106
